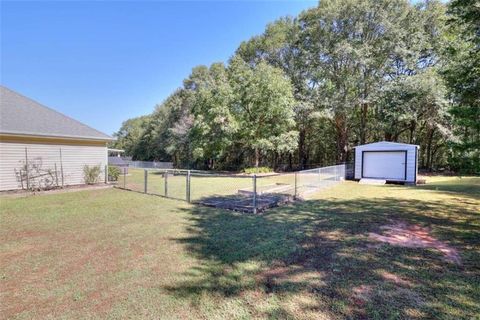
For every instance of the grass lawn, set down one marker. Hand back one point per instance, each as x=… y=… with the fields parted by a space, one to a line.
x=339 y=255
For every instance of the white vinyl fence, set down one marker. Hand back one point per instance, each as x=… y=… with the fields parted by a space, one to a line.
x=149 y=164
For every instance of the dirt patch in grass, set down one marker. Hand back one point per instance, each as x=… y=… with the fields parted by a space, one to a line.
x=362 y=294
x=401 y=234
x=393 y=278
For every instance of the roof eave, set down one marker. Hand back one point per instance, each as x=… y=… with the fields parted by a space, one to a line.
x=389 y=142
x=33 y=135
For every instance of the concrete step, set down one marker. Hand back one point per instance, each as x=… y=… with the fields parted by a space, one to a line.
x=372 y=181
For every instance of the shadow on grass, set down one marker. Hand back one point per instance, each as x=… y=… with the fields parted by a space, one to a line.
x=320 y=250
x=468 y=187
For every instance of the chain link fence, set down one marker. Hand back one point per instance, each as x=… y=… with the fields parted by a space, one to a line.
x=238 y=192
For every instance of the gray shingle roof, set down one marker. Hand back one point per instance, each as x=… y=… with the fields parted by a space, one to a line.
x=23 y=116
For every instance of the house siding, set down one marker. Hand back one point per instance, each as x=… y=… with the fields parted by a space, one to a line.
x=411 y=158
x=71 y=155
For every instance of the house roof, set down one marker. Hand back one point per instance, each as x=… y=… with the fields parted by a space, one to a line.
x=387 y=143
x=20 y=115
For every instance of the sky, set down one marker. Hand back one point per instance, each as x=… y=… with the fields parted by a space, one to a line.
x=102 y=62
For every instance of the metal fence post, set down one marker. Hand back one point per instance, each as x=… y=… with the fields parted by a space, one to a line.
x=145 y=180
x=254 y=194
x=188 y=186
x=61 y=167
x=124 y=177
x=166 y=183
x=26 y=169
x=106 y=173
x=319 y=177
x=56 y=174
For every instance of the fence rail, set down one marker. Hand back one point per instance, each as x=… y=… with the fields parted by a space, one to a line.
x=149 y=164
x=230 y=190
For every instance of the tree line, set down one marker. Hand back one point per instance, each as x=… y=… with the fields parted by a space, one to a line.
x=312 y=87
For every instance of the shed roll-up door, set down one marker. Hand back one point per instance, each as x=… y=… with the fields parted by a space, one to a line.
x=384 y=165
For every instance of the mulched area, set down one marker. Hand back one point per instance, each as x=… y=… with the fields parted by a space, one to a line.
x=65 y=189
x=244 y=203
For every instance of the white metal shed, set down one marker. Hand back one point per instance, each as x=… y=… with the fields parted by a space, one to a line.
x=385 y=160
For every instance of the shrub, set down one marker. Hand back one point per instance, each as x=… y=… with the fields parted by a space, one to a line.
x=91 y=174
x=113 y=173
x=257 y=170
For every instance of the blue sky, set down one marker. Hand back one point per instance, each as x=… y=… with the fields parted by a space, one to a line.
x=102 y=62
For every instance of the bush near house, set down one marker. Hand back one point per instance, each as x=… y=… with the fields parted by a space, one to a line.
x=91 y=174
x=113 y=173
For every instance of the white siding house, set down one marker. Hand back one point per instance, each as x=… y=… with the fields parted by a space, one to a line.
x=389 y=161
x=55 y=146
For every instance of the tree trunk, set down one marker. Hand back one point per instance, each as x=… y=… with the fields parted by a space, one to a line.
x=301 y=149
x=341 y=132
x=388 y=136
x=363 y=123
x=430 y=133
x=395 y=136
x=413 y=125
x=257 y=157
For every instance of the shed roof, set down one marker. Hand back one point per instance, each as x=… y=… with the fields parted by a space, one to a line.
x=20 y=115
x=387 y=143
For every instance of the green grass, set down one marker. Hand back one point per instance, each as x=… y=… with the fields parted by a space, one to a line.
x=119 y=254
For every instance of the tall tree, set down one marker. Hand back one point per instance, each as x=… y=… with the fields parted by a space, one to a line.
x=263 y=106
x=130 y=133
x=168 y=140
x=358 y=71
x=348 y=45
x=214 y=124
x=279 y=46
x=463 y=77
x=414 y=109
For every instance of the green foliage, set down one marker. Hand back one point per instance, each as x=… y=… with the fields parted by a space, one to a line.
x=311 y=87
x=113 y=173
x=263 y=106
x=462 y=74
x=214 y=124
x=131 y=134
x=257 y=170
x=91 y=174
